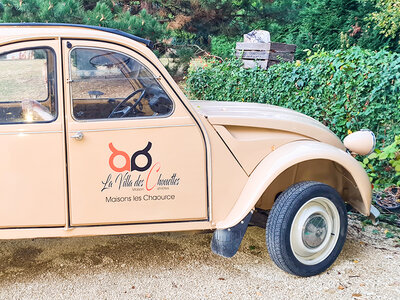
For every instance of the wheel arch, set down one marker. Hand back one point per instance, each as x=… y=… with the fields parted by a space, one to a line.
x=301 y=161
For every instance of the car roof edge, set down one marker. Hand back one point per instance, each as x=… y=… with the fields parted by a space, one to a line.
x=148 y=43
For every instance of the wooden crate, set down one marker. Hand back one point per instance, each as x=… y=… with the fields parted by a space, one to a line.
x=264 y=55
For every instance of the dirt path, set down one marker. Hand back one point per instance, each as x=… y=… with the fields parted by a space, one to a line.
x=167 y=266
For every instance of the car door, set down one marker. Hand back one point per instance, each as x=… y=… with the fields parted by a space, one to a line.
x=135 y=154
x=32 y=152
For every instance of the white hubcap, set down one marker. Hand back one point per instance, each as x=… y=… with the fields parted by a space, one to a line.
x=315 y=231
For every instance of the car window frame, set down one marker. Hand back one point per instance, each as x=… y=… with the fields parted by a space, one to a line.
x=115 y=119
x=56 y=106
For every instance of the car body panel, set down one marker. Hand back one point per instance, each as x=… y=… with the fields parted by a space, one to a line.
x=177 y=152
x=51 y=232
x=261 y=128
x=237 y=150
x=289 y=155
x=267 y=116
x=33 y=177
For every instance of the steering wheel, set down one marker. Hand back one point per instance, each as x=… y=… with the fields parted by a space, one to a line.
x=124 y=109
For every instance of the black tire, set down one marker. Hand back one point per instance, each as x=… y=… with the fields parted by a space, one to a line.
x=279 y=231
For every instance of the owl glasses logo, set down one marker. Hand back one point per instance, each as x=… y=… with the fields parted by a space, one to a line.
x=130 y=162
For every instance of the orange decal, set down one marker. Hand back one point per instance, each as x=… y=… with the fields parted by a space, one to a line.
x=148 y=176
x=115 y=153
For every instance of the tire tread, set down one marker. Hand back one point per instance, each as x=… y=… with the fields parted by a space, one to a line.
x=280 y=210
x=279 y=213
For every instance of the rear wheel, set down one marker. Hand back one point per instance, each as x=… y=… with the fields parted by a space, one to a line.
x=306 y=228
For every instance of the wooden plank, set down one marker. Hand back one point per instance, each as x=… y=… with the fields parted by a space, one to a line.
x=261 y=55
x=264 y=55
x=249 y=64
x=281 y=56
x=252 y=54
x=281 y=47
x=252 y=46
x=272 y=62
x=273 y=47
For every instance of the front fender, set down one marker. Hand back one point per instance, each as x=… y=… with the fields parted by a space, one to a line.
x=283 y=158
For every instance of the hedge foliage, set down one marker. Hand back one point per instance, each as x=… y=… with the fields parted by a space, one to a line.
x=383 y=165
x=346 y=90
x=224 y=46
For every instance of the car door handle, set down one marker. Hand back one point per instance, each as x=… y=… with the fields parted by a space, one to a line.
x=78 y=136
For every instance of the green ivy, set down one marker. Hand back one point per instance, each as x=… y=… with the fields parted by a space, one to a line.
x=346 y=90
x=383 y=166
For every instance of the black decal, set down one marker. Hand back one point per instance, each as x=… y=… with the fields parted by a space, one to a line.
x=144 y=152
x=108 y=183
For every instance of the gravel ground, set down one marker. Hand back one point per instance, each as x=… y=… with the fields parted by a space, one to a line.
x=177 y=266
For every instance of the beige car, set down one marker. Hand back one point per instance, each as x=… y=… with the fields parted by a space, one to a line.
x=98 y=139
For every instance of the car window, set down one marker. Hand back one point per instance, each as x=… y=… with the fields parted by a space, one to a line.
x=27 y=86
x=110 y=85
